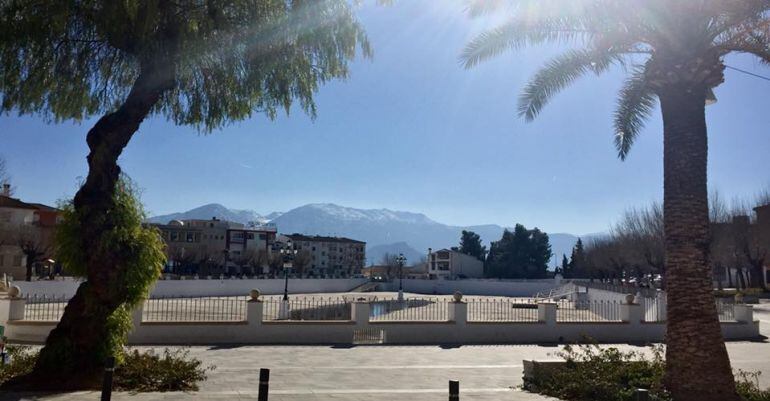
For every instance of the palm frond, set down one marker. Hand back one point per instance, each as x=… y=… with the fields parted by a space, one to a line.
x=635 y=105
x=559 y=73
x=518 y=33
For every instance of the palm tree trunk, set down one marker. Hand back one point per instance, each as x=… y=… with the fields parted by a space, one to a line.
x=74 y=352
x=697 y=364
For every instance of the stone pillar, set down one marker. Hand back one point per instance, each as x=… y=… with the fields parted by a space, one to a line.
x=11 y=309
x=360 y=312
x=631 y=313
x=743 y=313
x=546 y=313
x=254 y=311
x=458 y=312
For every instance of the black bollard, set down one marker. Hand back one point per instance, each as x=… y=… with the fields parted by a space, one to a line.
x=454 y=390
x=264 y=381
x=642 y=395
x=109 y=369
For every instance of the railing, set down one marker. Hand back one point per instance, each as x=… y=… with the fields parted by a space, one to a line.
x=195 y=309
x=307 y=308
x=654 y=309
x=412 y=310
x=725 y=310
x=502 y=310
x=621 y=289
x=588 y=311
x=44 y=307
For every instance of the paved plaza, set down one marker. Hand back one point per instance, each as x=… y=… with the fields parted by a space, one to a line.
x=379 y=373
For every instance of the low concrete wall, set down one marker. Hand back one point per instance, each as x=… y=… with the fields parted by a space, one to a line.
x=199 y=288
x=508 y=288
x=455 y=331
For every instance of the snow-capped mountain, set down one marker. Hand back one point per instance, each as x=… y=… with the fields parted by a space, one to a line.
x=212 y=210
x=383 y=230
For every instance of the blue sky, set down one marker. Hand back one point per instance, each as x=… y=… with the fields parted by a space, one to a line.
x=412 y=130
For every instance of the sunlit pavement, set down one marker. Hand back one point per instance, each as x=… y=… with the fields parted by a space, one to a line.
x=387 y=372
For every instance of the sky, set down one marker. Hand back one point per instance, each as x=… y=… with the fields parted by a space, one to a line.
x=412 y=130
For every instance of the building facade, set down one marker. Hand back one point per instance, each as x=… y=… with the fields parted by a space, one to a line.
x=211 y=247
x=26 y=237
x=450 y=264
x=324 y=257
x=740 y=250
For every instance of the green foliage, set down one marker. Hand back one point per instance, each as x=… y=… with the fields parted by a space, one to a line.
x=138 y=247
x=173 y=371
x=592 y=373
x=137 y=372
x=658 y=42
x=22 y=359
x=602 y=374
x=522 y=253
x=470 y=244
x=228 y=58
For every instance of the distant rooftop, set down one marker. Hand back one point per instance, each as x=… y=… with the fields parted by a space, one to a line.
x=318 y=238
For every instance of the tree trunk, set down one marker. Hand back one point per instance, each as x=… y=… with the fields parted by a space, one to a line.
x=29 y=262
x=74 y=352
x=697 y=364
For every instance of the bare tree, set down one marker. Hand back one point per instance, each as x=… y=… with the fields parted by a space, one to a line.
x=260 y=261
x=390 y=261
x=36 y=245
x=5 y=176
x=301 y=261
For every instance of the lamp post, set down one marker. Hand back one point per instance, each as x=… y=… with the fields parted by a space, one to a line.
x=401 y=259
x=288 y=253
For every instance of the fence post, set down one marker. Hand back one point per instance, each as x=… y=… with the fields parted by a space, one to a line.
x=743 y=313
x=454 y=390
x=458 y=312
x=360 y=312
x=631 y=312
x=264 y=384
x=254 y=310
x=546 y=313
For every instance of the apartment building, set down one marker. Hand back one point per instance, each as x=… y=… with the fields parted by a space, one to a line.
x=215 y=246
x=26 y=229
x=450 y=264
x=318 y=256
x=740 y=253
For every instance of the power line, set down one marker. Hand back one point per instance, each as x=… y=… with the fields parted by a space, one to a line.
x=748 y=73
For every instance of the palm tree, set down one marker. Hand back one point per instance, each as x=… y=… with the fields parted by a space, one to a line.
x=673 y=52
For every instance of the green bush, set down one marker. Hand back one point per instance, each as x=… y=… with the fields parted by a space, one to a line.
x=173 y=371
x=21 y=361
x=138 y=372
x=608 y=374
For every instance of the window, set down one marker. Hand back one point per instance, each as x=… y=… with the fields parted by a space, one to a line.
x=16 y=260
x=250 y=236
x=263 y=236
x=190 y=237
x=313 y=248
x=174 y=236
x=443 y=265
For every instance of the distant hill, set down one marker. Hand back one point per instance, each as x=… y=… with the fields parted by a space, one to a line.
x=383 y=230
x=374 y=254
x=212 y=210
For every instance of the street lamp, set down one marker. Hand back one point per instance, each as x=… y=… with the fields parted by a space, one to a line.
x=401 y=259
x=289 y=253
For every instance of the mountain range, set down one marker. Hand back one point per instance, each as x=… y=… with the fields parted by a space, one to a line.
x=384 y=230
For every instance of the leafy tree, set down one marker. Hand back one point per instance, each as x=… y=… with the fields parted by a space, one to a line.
x=674 y=51
x=577 y=264
x=470 y=244
x=564 y=269
x=197 y=63
x=522 y=253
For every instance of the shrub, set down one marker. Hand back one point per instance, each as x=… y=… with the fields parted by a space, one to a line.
x=173 y=371
x=138 y=372
x=747 y=384
x=602 y=374
x=21 y=361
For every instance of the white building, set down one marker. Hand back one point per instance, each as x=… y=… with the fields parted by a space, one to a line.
x=449 y=264
x=318 y=256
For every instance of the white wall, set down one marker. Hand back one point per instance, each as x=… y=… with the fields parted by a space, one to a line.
x=457 y=331
x=168 y=288
x=508 y=288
